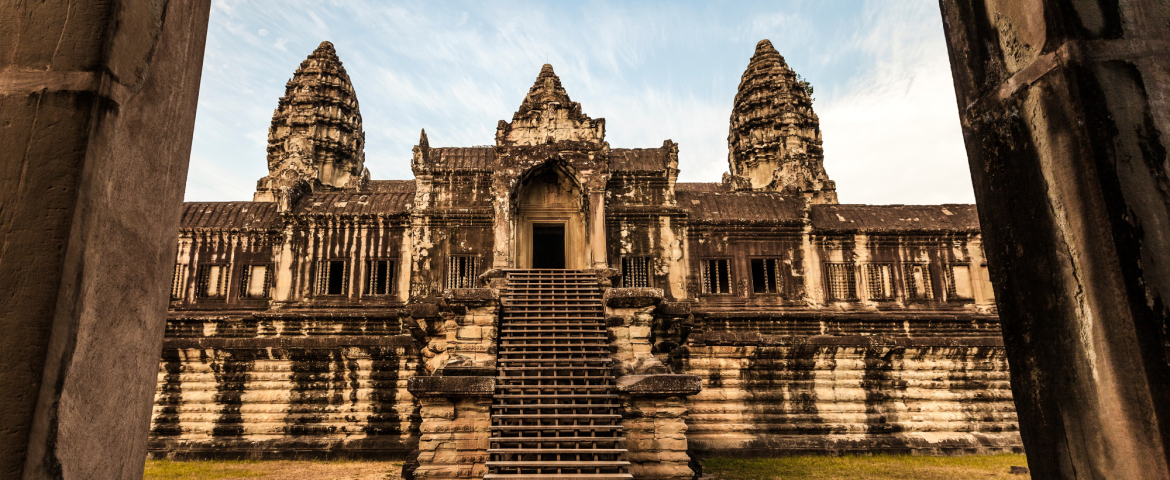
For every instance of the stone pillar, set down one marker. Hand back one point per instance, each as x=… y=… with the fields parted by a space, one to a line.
x=456 y=416
x=502 y=255
x=471 y=331
x=1063 y=109
x=597 y=229
x=97 y=100
x=629 y=314
x=654 y=415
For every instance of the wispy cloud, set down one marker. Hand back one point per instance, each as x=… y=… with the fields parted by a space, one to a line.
x=653 y=70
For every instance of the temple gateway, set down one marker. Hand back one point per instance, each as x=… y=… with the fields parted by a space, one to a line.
x=554 y=307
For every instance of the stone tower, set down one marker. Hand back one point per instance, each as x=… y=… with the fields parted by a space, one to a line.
x=316 y=139
x=775 y=138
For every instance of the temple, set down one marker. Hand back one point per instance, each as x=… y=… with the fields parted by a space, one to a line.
x=554 y=306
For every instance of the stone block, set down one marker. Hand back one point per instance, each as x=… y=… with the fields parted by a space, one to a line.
x=659 y=385
x=471 y=297
x=673 y=309
x=632 y=297
x=469 y=333
x=424 y=310
x=445 y=386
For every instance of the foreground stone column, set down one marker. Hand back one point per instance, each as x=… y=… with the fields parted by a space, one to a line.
x=456 y=421
x=1064 y=112
x=654 y=413
x=97 y=103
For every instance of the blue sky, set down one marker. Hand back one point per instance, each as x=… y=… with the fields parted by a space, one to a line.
x=653 y=70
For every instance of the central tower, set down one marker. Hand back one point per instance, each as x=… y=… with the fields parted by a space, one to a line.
x=549 y=185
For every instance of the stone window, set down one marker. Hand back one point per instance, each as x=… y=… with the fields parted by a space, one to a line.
x=255 y=281
x=462 y=271
x=379 y=277
x=178 y=279
x=636 y=272
x=766 y=275
x=916 y=278
x=879 y=281
x=841 y=281
x=332 y=277
x=958 y=279
x=212 y=281
x=716 y=276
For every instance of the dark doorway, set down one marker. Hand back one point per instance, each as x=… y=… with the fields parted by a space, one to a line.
x=548 y=245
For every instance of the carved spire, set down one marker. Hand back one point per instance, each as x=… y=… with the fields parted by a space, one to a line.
x=774 y=142
x=547 y=115
x=316 y=135
x=418 y=163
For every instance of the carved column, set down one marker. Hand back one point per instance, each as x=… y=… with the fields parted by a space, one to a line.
x=502 y=256
x=456 y=416
x=597 y=229
x=471 y=331
x=653 y=400
x=629 y=314
x=654 y=413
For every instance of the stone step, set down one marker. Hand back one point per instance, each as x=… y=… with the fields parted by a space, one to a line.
x=557 y=317
x=562 y=476
x=571 y=416
x=546 y=406
x=557 y=450
x=556 y=439
x=538 y=395
x=570 y=464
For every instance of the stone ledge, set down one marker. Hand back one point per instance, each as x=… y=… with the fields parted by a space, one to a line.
x=659 y=385
x=441 y=386
x=471 y=296
x=632 y=297
x=757 y=339
x=423 y=310
x=674 y=309
x=299 y=341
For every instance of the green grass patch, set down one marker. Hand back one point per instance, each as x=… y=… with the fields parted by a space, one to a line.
x=876 y=467
x=170 y=470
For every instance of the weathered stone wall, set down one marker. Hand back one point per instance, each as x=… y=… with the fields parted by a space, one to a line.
x=285 y=386
x=771 y=395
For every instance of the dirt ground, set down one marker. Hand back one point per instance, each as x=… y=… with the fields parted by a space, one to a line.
x=272 y=470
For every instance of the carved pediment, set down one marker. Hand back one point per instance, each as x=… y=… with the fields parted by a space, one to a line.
x=548 y=116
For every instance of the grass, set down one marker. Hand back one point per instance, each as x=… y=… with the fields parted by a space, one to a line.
x=876 y=467
x=271 y=470
x=169 y=470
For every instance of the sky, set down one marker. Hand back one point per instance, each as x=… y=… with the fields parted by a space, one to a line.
x=653 y=70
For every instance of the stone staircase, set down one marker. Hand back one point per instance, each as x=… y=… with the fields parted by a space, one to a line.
x=555 y=412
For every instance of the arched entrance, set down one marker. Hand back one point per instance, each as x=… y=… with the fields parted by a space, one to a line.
x=550 y=220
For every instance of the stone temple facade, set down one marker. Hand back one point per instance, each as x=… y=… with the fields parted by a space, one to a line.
x=551 y=292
